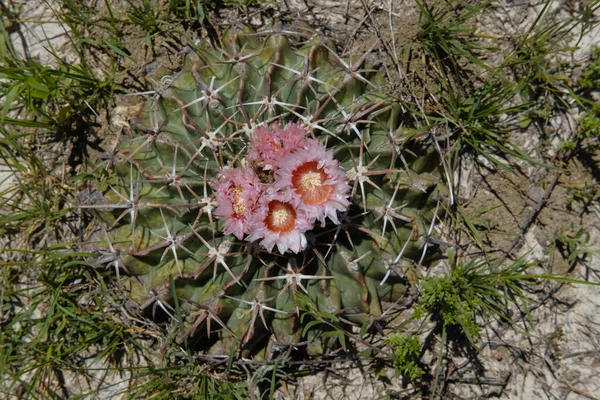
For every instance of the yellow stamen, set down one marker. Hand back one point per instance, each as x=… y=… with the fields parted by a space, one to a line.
x=311 y=180
x=280 y=217
x=239 y=207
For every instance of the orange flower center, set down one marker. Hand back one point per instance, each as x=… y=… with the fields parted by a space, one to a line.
x=281 y=217
x=308 y=180
x=239 y=206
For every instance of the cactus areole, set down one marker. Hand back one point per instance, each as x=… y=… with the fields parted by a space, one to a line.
x=269 y=175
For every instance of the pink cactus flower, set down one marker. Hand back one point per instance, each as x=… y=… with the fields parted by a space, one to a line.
x=278 y=221
x=315 y=177
x=237 y=191
x=306 y=184
x=268 y=145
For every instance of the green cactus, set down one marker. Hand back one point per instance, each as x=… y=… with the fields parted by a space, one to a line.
x=159 y=203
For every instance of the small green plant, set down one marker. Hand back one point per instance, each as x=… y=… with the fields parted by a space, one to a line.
x=590 y=80
x=589 y=126
x=587 y=137
x=581 y=196
x=470 y=289
x=452 y=300
x=573 y=244
x=407 y=351
x=588 y=131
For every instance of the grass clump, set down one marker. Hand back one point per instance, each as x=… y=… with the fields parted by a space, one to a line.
x=185 y=381
x=469 y=97
x=51 y=326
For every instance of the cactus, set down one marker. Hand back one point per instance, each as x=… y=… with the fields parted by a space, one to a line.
x=183 y=192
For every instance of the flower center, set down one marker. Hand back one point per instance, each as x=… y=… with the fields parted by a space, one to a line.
x=311 y=181
x=308 y=181
x=239 y=206
x=281 y=217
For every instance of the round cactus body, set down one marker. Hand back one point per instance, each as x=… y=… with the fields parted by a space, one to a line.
x=267 y=176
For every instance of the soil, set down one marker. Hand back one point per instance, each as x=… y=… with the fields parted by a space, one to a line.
x=555 y=352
